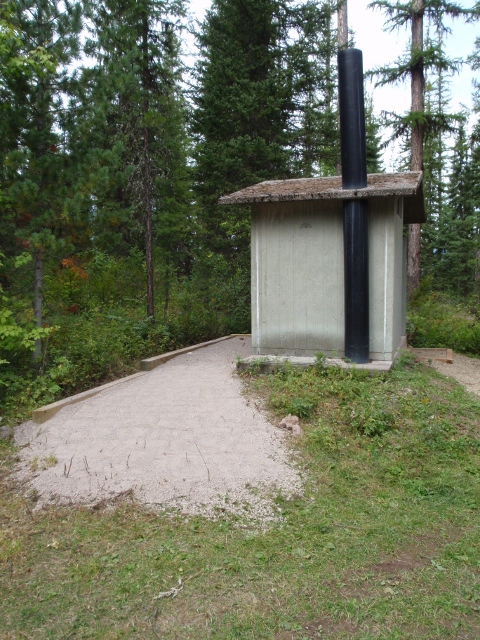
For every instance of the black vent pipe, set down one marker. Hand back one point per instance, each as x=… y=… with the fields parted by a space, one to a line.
x=355 y=212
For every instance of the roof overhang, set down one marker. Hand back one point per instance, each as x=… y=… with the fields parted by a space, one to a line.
x=408 y=184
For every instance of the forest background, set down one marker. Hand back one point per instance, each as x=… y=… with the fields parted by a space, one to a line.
x=114 y=154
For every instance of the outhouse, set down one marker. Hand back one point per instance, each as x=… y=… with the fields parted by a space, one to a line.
x=297 y=263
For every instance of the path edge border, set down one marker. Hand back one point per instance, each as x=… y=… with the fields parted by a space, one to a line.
x=42 y=414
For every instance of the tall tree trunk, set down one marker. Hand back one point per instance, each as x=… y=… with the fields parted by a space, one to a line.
x=416 y=159
x=342 y=25
x=147 y=178
x=37 y=302
x=167 y=291
x=477 y=272
x=148 y=230
x=342 y=41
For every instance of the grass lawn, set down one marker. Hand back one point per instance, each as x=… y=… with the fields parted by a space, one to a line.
x=384 y=542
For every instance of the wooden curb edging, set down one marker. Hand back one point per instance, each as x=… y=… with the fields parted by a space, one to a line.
x=441 y=354
x=42 y=414
x=151 y=363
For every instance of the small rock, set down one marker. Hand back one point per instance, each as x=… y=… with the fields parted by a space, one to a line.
x=6 y=433
x=296 y=431
x=290 y=423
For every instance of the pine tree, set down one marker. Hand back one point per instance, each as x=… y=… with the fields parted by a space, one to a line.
x=473 y=169
x=139 y=147
x=473 y=202
x=373 y=140
x=266 y=105
x=441 y=124
x=243 y=102
x=35 y=172
x=311 y=56
x=457 y=251
x=412 y=66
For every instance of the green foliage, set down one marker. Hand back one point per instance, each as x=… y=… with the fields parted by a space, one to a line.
x=320 y=362
x=430 y=59
x=104 y=347
x=15 y=335
x=243 y=100
x=452 y=240
x=373 y=139
x=14 y=60
x=399 y=14
x=311 y=57
x=265 y=106
x=95 y=280
x=213 y=301
x=134 y=183
x=21 y=393
x=363 y=402
x=96 y=303
x=35 y=165
x=434 y=320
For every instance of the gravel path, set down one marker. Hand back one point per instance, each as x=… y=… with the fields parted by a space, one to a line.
x=464 y=369
x=180 y=436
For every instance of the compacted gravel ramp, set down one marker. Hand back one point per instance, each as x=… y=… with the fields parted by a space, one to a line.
x=180 y=436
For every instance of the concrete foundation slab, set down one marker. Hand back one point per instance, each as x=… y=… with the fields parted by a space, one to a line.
x=270 y=364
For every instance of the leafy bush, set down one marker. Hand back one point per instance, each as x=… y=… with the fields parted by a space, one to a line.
x=95 y=306
x=212 y=302
x=92 y=348
x=20 y=394
x=17 y=334
x=436 y=321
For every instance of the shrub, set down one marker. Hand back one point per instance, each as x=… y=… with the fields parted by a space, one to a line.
x=436 y=321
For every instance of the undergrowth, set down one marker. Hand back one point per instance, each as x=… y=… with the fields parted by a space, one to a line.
x=96 y=327
x=436 y=320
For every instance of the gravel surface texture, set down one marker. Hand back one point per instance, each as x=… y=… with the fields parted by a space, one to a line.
x=181 y=436
x=464 y=369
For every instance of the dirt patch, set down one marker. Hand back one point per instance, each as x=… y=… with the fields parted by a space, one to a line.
x=415 y=556
x=390 y=572
x=181 y=436
x=383 y=580
x=328 y=628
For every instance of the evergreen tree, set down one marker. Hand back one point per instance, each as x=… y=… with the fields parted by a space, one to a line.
x=372 y=134
x=473 y=200
x=312 y=56
x=473 y=169
x=137 y=114
x=413 y=66
x=266 y=105
x=459 y=227
x=436 y=155
x=243 y=102
x=35 y=168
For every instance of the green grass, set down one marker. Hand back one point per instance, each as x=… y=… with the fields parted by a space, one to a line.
x=384 y=543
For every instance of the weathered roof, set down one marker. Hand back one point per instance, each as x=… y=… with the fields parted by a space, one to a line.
x=407 y=184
